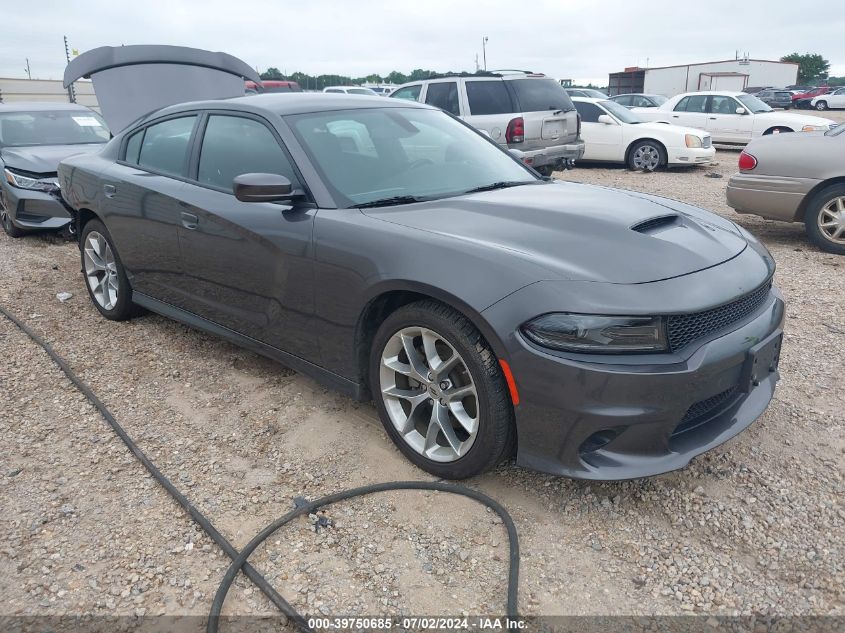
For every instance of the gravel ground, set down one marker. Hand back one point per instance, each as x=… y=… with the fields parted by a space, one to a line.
x=754 y=527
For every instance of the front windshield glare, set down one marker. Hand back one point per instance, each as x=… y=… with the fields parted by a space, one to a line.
x=621 y=112
x=753 y=103
x=372 y=154
x=56 y=127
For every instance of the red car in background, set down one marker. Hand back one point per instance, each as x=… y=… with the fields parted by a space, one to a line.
x=802 y=100
x=271 y=85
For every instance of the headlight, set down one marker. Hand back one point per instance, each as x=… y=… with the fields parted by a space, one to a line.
x=692 y=140
x=26 y=182
x=814 y=128
x=597 y=334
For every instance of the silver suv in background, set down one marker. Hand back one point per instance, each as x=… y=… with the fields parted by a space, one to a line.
x=525 y=111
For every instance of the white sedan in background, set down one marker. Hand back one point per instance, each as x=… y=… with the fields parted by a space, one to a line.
x=613 y=133
x=731 y=117
x=835 y=99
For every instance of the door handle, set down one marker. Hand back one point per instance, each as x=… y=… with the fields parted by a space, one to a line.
x=712 y=118
x=110 y=191
x=189 y=220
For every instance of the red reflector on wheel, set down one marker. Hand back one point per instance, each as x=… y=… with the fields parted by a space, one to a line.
x=506 y=370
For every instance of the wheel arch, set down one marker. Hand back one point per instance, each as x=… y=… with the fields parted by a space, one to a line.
x=653 y=140
x=82 y=217
x=782 y=128
x=387 y=297
x=802 y=208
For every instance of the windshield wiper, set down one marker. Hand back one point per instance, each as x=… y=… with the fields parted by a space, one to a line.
x=392 y=201
x=502 y=184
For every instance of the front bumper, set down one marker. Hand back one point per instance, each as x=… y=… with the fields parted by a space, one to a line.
x=773 y=197
x=614 y=417
x=31 y=210
x=553 y=155
x=690 y=156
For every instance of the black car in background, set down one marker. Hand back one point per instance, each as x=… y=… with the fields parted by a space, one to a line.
x=775 y=98
x=34 y=137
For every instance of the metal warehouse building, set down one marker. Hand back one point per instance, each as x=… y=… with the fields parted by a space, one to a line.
x=732 y=74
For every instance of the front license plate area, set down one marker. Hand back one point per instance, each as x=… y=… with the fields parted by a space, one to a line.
x=762 y=360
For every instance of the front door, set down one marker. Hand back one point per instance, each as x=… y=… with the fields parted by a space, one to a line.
x=248 y=266
x=724 y=124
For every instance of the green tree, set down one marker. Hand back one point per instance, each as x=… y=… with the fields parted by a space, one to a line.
x=812 y=67
x=395 y=77
x=272 y=73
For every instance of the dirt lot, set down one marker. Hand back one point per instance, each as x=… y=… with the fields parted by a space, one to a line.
x=754 y=527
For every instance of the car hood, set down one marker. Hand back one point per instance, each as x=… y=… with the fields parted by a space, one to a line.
x=664 y=127
x=43 y=159
x=580 y=232
x=794 y=119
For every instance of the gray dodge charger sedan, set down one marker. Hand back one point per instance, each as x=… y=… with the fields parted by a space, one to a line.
x=390 y=251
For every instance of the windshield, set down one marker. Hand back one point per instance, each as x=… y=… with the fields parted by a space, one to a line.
x=52 y=127
x=658 y=99
x=372 y=154
x=537 y=95
x=620 y=112
x=753 y=104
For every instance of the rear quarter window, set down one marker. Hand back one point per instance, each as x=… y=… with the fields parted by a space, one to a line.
x=540 y=95
x=488 y=97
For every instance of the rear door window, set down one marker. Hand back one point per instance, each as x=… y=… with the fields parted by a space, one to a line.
x=235 y=145
x=540 y=95
x=165 y=145
x=444 y=95
x=411 y=93
x=488 y=97
x=695 y=103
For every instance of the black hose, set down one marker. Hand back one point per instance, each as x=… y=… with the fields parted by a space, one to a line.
x=239 y=559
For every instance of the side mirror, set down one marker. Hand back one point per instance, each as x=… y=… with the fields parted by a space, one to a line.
x=606 y=119
x=262 y=188
x=741 y=111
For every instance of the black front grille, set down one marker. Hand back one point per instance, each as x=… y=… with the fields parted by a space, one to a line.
x=702 y=410
x=683 y=329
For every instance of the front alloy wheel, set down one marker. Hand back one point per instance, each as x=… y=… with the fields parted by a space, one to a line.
x=645 y=156
x=429 y=394
x=100 y=270
x=440 y=392
x=6 y=221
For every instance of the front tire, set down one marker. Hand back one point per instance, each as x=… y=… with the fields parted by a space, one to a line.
x=646 y=156
x=439 y=391
x=103 y=272
x=821 y=105
x=6 y=220
x=825 y=219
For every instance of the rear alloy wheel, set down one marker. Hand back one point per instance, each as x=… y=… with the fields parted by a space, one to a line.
x=105 y=277
x=6 y=221
x=821 y=105
x=439 y=391
x=646 y=156
x=825 y=219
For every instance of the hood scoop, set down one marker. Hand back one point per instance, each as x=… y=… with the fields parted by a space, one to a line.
x=656 y=223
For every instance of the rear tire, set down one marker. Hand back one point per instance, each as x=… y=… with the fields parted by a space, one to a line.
x=821 y=105
x=545 y=170
x=453 y=422
x=103 y=273
x=820 y=219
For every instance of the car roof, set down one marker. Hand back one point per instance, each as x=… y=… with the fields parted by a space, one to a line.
x=637 y=94
x=728 y=93
x=589 y=99
x=40 y=106
x=292 y=103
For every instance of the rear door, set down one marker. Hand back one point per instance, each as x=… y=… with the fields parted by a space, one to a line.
x=691 y=111
x=550 y=117
x=724 y=124
x=248 y=265
x=142 y=192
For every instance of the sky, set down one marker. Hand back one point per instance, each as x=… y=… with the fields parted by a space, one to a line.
x=581 y=40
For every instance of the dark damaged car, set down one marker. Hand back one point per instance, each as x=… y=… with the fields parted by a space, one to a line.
x=34 y=137
x=392 y=252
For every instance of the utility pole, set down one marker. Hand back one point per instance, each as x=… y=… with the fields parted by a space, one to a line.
x=71 y=93
x=477 y=67
x=28 y=73
x=484 y=50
